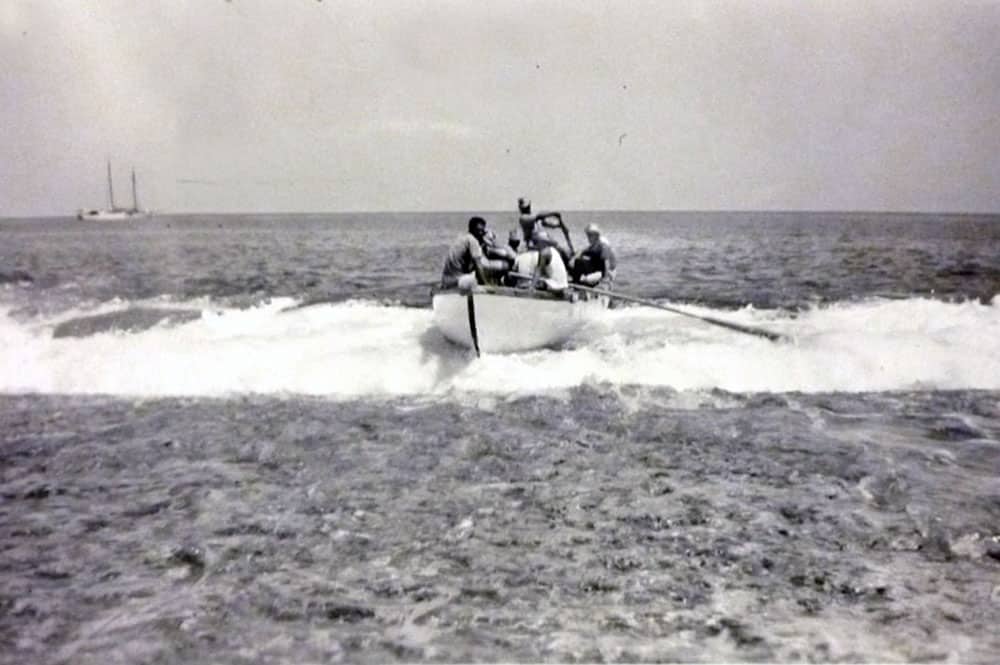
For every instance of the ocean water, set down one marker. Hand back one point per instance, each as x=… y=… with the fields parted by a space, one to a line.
x=191 y=474
x=872 y=302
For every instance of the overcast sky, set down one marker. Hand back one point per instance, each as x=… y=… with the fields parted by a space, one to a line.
x=302 y=105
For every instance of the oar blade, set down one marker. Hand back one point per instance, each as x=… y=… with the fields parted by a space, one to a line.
x=760 y=332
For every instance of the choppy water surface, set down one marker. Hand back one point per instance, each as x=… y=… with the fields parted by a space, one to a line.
x=769 y=260
x=600 y=525
x=190 y=475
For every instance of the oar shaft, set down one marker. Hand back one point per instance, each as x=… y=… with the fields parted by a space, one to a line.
x=773 y=336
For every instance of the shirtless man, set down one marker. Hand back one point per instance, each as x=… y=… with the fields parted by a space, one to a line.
x=532 y=223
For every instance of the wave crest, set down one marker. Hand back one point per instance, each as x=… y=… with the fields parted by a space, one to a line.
x=361 y=349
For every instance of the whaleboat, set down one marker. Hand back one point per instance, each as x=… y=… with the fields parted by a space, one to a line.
x=498 y=319
x=114 y=213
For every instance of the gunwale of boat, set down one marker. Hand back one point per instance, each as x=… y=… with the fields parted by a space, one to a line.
x=508 y=291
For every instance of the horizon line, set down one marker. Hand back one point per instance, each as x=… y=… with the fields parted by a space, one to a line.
x=155 y=213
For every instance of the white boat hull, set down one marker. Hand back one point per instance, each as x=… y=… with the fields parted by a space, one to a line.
x=114 y=213
x=111 y=215
x=508 y=320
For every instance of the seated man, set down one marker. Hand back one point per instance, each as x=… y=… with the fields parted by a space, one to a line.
x=466 y=265
x=541 y=268
x=502 y=254
x=514 y=241
x=596 y=264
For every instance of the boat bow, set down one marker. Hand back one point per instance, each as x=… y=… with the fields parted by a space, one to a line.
x=504 y=320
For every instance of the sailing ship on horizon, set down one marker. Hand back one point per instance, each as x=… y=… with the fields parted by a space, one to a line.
x=113 y=213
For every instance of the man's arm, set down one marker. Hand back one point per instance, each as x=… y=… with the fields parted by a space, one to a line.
x=610 y=263
x=542 y=216
x=501 y=252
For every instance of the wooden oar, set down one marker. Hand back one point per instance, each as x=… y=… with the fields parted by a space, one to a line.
x=561 y=225
x=773 y=336
x=335 y=297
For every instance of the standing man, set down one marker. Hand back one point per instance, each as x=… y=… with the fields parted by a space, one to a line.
x=596 y=264
x=531 y=224
x=466 y=265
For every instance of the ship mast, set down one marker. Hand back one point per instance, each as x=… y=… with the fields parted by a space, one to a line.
x=135 y=197
x=111 y=191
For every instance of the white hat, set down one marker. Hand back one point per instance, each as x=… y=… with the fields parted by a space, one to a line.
x=592 y=228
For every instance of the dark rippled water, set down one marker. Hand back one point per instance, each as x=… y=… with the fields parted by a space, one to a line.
x=786 y=260
x=189 y=475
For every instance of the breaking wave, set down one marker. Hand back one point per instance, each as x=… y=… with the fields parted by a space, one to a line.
x=363 y=348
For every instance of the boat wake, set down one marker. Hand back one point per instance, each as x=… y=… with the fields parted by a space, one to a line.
x=367 y=349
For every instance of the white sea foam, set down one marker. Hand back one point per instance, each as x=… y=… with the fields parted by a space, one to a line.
x=359 y=349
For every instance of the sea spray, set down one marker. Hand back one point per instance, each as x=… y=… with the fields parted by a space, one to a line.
x=364 y=348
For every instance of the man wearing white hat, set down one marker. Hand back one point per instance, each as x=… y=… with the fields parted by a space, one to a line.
x=596 y=264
